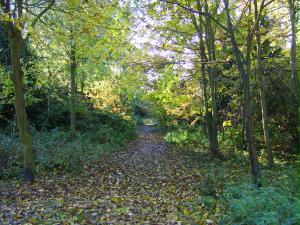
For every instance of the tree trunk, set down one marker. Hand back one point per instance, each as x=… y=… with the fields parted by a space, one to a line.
x=261 y=81
x=210 y=117
x=82 y=87
x=295 y=75
x=247 y=100
x=73 y=68
x=210 y=43
x=16 y=42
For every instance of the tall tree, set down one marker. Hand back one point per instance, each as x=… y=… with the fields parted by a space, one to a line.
x=82 y=36
x=240 y=61
x=73 y=72
x=210 y=116
x=292 y=4
x=13 y=19
x=262 y=86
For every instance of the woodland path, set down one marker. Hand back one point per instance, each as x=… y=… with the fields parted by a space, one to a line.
x=144 y=184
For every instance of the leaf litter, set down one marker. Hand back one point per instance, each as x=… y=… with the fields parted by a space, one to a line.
x=144 y=184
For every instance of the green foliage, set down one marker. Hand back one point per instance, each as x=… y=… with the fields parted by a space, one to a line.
x=174 y=100
x=100 y=132
x=231 y=139
x=71 y=155
x=177 y=137
x=228 y=196
x=188 y=138
x=247 y=204
x=226 y=193
x=6 y=86
x=139 y=121
x=115 y=91
x=11 y=156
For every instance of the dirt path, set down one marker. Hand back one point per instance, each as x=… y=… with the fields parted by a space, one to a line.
x=145 y=184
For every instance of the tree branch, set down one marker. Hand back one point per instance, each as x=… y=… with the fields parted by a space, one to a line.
x=196 y=11
x=42 y=13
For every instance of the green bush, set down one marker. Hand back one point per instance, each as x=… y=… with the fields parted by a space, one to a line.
x=177 y=137
x=59 y=152
x=11 y=156
x=98 y=132
x=245 y=204
x=188 y=137
x=89 y=120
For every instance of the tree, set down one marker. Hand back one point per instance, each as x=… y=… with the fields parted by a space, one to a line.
x=211 y=116
x=293 y=14
x=13 y=19
x=262 y=87
x=240 y=61
x=73 y=72
x=206 y=51
x=82 y=37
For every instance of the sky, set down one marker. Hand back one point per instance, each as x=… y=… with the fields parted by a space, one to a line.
x=143 y=35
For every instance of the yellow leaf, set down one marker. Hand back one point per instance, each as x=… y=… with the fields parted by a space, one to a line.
x=117 y=200
x=227 y=123
x=6 y=17
x=186 y=212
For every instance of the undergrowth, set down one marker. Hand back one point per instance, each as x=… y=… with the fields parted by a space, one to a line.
x=228 y=195
x=98 y=132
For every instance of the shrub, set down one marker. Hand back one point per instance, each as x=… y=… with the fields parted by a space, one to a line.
x=177 y=137
x=97 y=133
x=188 y=137
x=65 y=154
x=267 y=205
x=11 y=156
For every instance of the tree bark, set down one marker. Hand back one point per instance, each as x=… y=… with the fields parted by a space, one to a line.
x=73 y=70
x=261 y=81
x=210 y=117
x=295 y=75
x=15 y=12
x=247 y=100
x=16 y=43
x=210 y=43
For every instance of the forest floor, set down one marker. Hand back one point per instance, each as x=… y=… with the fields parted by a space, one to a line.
x=146 y=183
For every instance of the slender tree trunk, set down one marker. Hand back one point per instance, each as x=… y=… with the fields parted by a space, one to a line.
x=261 y=81
x=73 y=68
x=295 y=75
x=209 y=116
x=265 y=117
x=212 y=134
x=16 y=42
x=82 y=87
x=212 y=72
x=247 y=99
